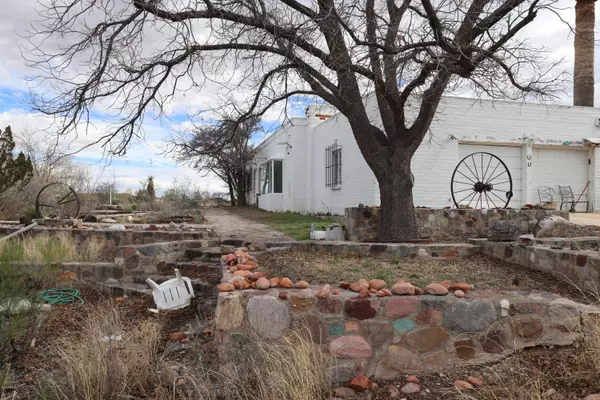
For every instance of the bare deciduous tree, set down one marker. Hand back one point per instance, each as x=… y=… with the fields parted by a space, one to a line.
x=222 y=149
x=132 y=57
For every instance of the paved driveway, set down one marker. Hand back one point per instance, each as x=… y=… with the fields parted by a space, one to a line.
x=228 y=225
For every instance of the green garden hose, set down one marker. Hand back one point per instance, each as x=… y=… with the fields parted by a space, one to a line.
x=61 y=296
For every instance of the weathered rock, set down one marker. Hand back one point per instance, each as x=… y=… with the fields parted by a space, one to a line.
x=463 y=385
x=225 y=287
x=302 y=301
x=400 y=307
x=243 y=274
x=263 y=284
x=403 y=288
x=345 y=285
x=592 y=397
x=361 y=308
x=274 y=282
x=551 y=226
x=504 y=231
x=446 y=284
x=371 y=291
x=413 y=379
x=378 y=332
x=459 y=293
x=437 y=289
x=230 y=313
x=528 y=327
x=419 y=291
x=465 y=349
x=352 y=346
x=397 y=360
x=387 y=292
x=475 y=381
x=364 y=293
x=357 y=287
x=471 y=316
x=301 y=285
x=493 y=342
x=393 y=392
x=460 y=286
x=258 y=275
x=526 y=239
x=324 y=292
x=286 y=283
x=243 y=267
x=410 y=388
x=175 y=336
x=377 y=284
x=361 y=383
x=117 y=227
x=268 y=317
x=331 y=305
x=336 y=291
x=229 y=259
x=427 y=339
x=344 y=392
x=380 y=293
x=237 y=283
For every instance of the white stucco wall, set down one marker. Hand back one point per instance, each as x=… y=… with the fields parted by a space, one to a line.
x=457 y=121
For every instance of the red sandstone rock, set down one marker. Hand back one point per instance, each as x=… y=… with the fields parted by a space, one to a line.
x=253 y=285
x=393 y=392
x=361 y=383
x=252 y=263
x=229 y=258
x=336 y=291
x=446 y=284
x=413 y=379
x=373 y=291
x=350 y=346
x=257 y=275
x=286 y=283
x=232 y=268
x=225 y=287
x=238 y=253
x=410 y=388
x=419 y=291
x=381 y=293
x=263 y=284
x=387 y=292
x=324 y=292
x=283 y=295
x=475 y=381
x=592 y=397
x=237 y=283
x=364 y=293
x=177 y=336
x=243 y=274
x=377 y=284
x=462 y=385
x=358 y=286
x=461 y=286
x=245 y=284
x=345 y=285
x=403 y=289
x=185 y=340
x=344 y=392
x=459 y=293
x=301 y=285
x=437 y=289
x=274 y=282
x=246 y=267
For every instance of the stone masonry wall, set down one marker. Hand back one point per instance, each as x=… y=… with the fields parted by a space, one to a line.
x=572 y=260
x=362 y=223
x=386 y=337
x=112 y=239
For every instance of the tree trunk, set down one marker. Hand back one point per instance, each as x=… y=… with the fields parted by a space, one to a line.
x=231 y=194
x=241 y=198
x=398 y=220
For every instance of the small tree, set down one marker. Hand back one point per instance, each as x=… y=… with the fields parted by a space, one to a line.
x=222 y=149
x=13 y=170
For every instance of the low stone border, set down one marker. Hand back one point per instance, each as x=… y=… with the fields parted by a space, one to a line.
x=386 y=337
x=386 y=250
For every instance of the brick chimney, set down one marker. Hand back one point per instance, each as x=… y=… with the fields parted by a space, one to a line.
x=583 y=70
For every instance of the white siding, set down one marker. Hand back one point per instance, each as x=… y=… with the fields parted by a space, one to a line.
x=553 y=167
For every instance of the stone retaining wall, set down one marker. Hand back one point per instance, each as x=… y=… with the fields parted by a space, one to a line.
x=111 y=239
x=571 y=260
x=384 y=250
x=362 y=223
x=386 y=337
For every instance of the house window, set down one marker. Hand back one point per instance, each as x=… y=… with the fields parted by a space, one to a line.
x=333 y=165
x=271 y=177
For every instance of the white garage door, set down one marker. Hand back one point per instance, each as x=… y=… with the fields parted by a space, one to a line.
x=564 y=166
x=511 y=156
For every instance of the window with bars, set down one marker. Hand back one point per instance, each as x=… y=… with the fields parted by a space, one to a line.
x=333 y=165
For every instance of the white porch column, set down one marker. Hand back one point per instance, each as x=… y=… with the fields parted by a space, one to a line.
x=526 y=172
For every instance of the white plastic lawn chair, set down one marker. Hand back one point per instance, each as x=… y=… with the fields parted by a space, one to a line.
x=173 y=294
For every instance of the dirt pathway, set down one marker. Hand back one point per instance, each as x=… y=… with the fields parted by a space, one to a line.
x=228 y=225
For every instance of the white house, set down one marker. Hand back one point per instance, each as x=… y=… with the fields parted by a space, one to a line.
x=313 y=164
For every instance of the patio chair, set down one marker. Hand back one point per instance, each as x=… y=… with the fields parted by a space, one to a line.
x=173 y=294
x=567 y=197
x=545 y=194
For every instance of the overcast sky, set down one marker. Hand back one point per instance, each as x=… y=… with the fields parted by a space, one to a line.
x=144 y=157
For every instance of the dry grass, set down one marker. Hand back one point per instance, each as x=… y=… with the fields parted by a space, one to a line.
x=51 y=249
x=105 y=360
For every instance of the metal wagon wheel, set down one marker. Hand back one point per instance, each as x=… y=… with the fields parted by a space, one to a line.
x=57 y=200
x=482 y=178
